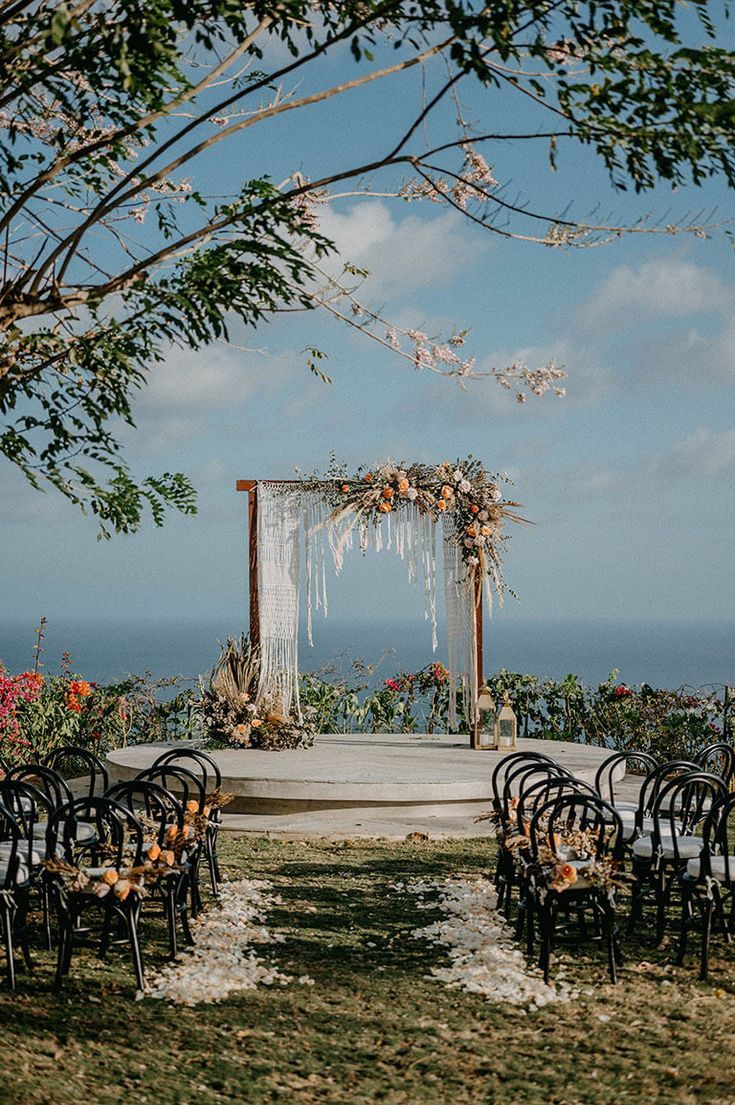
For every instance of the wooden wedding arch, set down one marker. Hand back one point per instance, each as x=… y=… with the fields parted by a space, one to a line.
x=251 y=487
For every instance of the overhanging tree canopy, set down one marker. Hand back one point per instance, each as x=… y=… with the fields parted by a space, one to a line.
x=111 y=250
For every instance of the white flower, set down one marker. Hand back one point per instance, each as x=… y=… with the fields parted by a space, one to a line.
x=479 y=541
x=465 y=486
x=483 y=516
x=473 y=561
x=411 y=493
x=458 y=475
x=494 y=494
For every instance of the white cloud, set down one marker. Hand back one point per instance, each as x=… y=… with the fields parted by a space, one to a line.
x=190 y=380
x=411 y=252
x=671 y=286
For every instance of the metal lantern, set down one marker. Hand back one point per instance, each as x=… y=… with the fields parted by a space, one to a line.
x=506 y=727
x=485 y=729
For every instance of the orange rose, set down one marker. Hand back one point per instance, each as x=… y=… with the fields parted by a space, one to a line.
x=568 y=873
x=474 y=509
x=256 y=723
x=403 y=486
x=171 y=832
x=472 y=531
x=440 y=504
x=192 y=805
x=368 y=477
x=345 y=487
x=154 y=852
x=110 y=876
x=447 y=492
x=384 y=507
x=387 y=492
x=485 y=531
x=168 y=857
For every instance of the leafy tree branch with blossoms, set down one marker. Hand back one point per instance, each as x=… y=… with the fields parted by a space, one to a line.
x=117 y=244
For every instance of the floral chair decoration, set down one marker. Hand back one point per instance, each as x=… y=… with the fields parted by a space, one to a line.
x=708 y=882
x=661 y=854
x=167 y=842
x=14 y=889
x=577 y=855
x=204 y=764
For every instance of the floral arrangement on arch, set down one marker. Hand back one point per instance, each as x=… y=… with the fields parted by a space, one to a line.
x=461 y=491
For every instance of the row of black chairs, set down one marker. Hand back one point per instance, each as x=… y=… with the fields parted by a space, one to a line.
x=674 y=840
x=104 y=829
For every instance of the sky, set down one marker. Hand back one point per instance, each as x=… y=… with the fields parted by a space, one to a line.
x=628 y=479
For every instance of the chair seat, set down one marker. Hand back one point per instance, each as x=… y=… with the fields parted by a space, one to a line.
x=85 y=831
x=6 y=848
x=717 y=865
x=688 y=847
x=21 y=875
x=626 y=807
x=629 y=828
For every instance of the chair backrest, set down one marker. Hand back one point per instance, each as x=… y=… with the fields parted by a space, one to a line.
x=201 y=763
x=74 y=760
x=4 y=766
x=507 y=764
x=30 y=807
x=155 y=807
x=641 y=762
x=182 y=783
x=118 y=835
x=719 y=759
x=53 y=785
x=523 y=776
x=682 y=806
x=588 y=813
x=12 y=850
x=542 y=791
x=656 y=781
x=718 y=839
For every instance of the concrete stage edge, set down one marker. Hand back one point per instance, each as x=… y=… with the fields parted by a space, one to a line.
x=370 y=785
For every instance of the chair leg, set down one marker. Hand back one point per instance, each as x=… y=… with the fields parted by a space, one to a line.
x=132 y=914
x=7 y=912
x=170 y=906
x=686 y=917
x=707 y=910
x=106 y=935
x=46 y=907
x=662 y=898
x=608 y=926
x=63 y=953
x=211 y=840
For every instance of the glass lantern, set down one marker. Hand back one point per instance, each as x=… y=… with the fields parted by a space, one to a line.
x=485 y=729
x=506 y=727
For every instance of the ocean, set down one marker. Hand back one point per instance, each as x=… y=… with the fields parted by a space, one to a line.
x=667 y=655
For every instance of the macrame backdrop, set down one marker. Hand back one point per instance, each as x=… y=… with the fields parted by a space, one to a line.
x=282 y=510
x=279 y=564
x=459 y=599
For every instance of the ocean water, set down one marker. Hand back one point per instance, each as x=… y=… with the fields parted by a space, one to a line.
x=667 y=655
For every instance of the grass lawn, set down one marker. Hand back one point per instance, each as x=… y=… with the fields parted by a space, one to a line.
x=373 y=1028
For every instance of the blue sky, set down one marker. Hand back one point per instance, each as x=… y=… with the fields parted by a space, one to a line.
x=628 y=479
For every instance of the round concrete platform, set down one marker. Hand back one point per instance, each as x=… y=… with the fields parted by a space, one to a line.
x=362 y=784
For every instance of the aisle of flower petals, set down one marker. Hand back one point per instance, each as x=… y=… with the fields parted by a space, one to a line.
x=222 y=958
x=483 y=956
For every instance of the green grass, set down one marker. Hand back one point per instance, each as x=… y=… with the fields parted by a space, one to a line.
x=373 y=1028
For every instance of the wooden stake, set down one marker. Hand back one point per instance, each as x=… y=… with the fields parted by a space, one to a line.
x=476 y=721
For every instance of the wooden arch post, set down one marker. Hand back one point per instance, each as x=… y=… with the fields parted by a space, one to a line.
x=251 y=486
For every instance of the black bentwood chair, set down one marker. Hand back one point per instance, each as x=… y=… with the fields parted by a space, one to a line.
x=661 y=855
x=202 y=763
x=539 y=793
x=593 y=833
x=709 y=882
x=32 y=810
x=73 y=761
x=14 y=890
x=641 y=763
x=160 y=814
x=117 y=846
x=188 y=788
x=521 y=774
